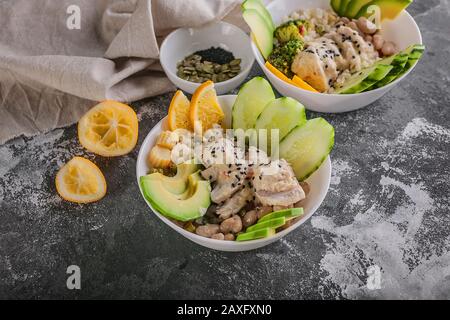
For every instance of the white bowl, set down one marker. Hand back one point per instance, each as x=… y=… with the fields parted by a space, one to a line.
x=403 y=31
x=319 y=183
x=185 y=41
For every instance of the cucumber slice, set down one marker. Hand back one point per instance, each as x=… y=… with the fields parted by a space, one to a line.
x=259 y=6
x=273 y=223
x=283 y=114
x=307 y=146
x=263 y=33
x=250 y=102
x=336 y=5
x=364 y=79
x=257 y=234
x=288 y=214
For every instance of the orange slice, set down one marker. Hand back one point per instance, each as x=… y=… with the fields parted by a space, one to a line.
x=278 y=73
x=109 y=129
x=205 y=109
x=178 y=116
x=299 y=82
x=80 y=181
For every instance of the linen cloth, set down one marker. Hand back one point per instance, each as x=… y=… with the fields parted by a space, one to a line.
x=51 y=71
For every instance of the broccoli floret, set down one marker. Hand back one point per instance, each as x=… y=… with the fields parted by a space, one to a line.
x=283 y=55
x=291 y=30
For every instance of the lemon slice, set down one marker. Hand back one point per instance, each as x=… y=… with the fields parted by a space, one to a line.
x=178 y=116
x=80 y=181
x=109 y=129
x=205 y=109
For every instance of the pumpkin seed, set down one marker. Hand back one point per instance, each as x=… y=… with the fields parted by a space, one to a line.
x=235 y=62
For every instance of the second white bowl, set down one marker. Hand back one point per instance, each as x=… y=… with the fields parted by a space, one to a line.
x=403 y=31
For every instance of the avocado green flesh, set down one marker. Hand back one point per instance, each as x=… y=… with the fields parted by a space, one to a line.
x=307 y=146
x=354 y=6
x=343 y=7
x=259 y=6
x=250 y=102
x=170 y=205
x=398 y=65
x=288 y=214
x=388 y=8
x=365 y=79
x=273 y=223
x=177 y=184
x=401 y=63
x=257 y=234
x=335 y=4
x=282 y=114
x=261 y=30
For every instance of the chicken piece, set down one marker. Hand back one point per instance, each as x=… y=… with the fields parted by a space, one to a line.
x=234 y=204
x=217 y=172
x=276 y=185
x=227 y=185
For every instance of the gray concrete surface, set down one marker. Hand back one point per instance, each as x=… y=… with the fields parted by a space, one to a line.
x=388 y=206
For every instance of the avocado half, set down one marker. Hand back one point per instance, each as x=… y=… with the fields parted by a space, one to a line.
x=191 y=204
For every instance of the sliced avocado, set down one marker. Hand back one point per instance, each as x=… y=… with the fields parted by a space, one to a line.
x=354 y=6
x=343 y=7
x=398 y=63
x=390 y=9
x=192 y=183
x=288 y=214
x=178 y=183
x=414 y=56
x=262 y=32
x=273 y=223
x=364 y=79
x=261 y=8
x=168 y=203
x=257 y=234
x=401 y=63
x=336 y=5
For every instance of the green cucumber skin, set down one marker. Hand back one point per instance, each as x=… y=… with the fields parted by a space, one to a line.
x=301 y=120
x=240 y=123
x=379 y=73
x=306 y=175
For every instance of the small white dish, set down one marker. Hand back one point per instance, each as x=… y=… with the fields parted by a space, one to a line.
x=319 y=183
x=185 y=41
x=403 y=31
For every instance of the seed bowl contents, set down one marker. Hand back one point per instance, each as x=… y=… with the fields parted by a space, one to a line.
x=338 y=51
x=220 y=185
x=215 y=64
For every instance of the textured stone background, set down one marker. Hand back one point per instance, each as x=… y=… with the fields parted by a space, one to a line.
x=388 y=206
